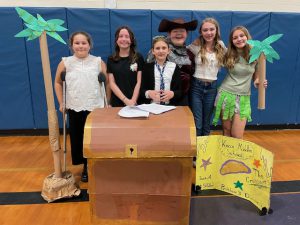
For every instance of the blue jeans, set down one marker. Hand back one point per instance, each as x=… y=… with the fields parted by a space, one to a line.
x=202 y=98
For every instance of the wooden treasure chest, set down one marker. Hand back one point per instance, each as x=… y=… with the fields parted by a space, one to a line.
x=140 y=169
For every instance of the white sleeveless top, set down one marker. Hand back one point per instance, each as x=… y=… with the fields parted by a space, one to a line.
x=209 y=70
x=82 y=86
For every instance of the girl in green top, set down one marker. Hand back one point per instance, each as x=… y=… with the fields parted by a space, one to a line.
x=232 y=104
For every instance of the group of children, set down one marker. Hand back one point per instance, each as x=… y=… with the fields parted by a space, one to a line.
x=173 y=74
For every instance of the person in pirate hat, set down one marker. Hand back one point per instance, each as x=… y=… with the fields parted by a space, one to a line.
x=177 y=30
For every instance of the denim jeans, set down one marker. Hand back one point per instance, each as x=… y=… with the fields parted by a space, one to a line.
x=202 y=98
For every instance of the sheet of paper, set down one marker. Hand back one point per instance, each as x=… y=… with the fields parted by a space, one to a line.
x=132 y=112
x=155 y=108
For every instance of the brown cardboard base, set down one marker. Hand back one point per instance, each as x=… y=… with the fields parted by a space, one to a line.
x=140 y=191
x=140 y=209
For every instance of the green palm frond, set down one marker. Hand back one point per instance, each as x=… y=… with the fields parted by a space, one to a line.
x=259 y=47
x=24 y=33
x=26 y=17
x=269 y=40
x=54 y=27
x=255 y=53
x=56 y=21
x=253 y=58
x=29 y=33
x=56 y=36
x=33 y=27
x=35 y=34
x=41 y=22
x=36 y=26
x=268 y=50
x=269 y=58
x=254 y=42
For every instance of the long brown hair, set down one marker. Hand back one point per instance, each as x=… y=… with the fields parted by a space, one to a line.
x=217 y=47
x=132 y=52
x=232 y=54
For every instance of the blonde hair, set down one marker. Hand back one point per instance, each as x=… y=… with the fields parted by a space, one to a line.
x=217 y=47
x=232 y=55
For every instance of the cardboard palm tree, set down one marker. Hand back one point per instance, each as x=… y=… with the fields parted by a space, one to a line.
x=56 y=183
x=262 y=51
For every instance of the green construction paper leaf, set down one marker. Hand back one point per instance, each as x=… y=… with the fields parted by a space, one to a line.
x=56 y=21
x=26 y=17
x=24 y=33
x=32 y=37
x=269 y=51
x=253 y=58
x=37 y=33
x=60 y=28
x=269 y=58
x=255 y=50
x=275 y=55
x=264 y=45
x=41 y=21
x=55 y=27
x=51 y=27
x=254 y=43
x=272 y=38
x=34 y=27
x=56 y=36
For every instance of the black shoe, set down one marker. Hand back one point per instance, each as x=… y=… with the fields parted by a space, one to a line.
x=84 y=176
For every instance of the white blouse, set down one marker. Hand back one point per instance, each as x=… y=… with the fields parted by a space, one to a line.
x=167 y=75
x=205 y=71
x=82 y=86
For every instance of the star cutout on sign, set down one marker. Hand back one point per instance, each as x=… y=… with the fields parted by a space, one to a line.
x=256 y=163
x=239 y=185
x=205 y=163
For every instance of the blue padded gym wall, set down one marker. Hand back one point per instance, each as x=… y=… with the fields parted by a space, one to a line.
x=22 y=94
x=284 y=75
x=15 y=94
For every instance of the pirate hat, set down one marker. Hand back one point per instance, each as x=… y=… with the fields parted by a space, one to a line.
x=168 y=25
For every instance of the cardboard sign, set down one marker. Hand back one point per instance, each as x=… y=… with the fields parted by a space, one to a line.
x=236 y=166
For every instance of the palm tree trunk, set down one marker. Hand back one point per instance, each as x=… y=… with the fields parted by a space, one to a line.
x=52 y=115
x=262 y=78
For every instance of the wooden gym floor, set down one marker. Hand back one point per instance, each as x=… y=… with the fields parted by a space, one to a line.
x=26 y=160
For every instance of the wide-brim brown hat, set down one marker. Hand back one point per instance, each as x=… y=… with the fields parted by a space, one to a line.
x=168 y=25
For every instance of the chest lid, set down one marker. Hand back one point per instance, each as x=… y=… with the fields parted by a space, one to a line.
x=171 y=134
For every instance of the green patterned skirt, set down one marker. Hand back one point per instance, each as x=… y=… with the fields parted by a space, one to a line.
x=229 y=104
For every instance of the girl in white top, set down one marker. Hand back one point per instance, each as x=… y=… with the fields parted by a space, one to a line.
x=82 y=91
x=209 y=51
x=161 y=82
